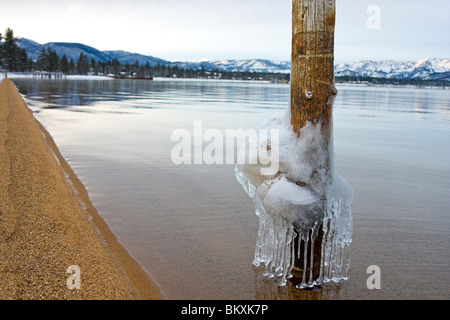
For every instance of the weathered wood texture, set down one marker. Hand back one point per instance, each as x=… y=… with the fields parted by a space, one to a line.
x=312 y=83
x=312 y=72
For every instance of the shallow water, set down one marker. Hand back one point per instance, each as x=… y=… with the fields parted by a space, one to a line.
x=193 y=227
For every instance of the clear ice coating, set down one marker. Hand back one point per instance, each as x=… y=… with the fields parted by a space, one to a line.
x=297 y=203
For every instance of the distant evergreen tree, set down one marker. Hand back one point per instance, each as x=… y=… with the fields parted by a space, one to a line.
x=23 y=63
x=53 y=60
x=115 y=66
x=64 y=65
x=135 y=68
x=31 y=65
x=10 y=50
x=126 y=68
x=83 y=64
x=72 y=67
x=147 y=69
x=48 y=60
x=202 y=72
x=107 y=69
x=93 y=65
x=101 y=68
x=43 y=63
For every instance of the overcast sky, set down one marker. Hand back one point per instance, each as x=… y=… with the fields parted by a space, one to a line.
x=232 y=29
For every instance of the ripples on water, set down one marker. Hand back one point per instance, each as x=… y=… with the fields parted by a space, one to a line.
x=194 y=228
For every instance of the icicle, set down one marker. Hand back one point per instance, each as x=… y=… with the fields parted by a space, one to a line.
x=303 y=285
x=290 y=211
x=311 y=261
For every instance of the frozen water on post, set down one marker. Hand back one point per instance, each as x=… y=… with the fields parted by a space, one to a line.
x=298 y=200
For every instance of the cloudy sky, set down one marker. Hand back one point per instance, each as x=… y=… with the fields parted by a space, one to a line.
x=232 y=29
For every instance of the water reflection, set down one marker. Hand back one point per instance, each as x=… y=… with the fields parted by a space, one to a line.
x=268 y=289
x=224 y=96
x=392 y=145
x=394 y=100
x=219 y=96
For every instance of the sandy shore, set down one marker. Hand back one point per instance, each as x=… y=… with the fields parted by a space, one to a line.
x=48 y=223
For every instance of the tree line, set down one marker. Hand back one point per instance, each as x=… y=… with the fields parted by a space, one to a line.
x=393 y=81
x=13 y=58
x=49 y=61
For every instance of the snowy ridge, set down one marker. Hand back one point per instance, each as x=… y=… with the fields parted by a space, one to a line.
x=247 y=65
x=428 y=69
x=254 y=65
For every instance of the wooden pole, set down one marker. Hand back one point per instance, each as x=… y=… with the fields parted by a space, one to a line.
x=312 y=85
x=312 y=72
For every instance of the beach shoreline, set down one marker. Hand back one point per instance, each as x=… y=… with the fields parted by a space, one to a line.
x=49 y=224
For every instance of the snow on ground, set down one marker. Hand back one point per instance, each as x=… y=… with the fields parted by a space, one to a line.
x=16 y=75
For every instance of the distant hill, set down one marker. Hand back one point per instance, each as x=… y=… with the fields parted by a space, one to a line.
x=73 y=50
x=426 y=69
x=33 y=48
x=125 y=57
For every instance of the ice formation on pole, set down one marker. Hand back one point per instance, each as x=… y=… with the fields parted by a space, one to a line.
x=297 y=203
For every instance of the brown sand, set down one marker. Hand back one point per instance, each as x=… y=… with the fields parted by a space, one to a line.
x=48 y=223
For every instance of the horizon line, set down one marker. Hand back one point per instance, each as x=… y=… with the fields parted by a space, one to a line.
x=204 y=59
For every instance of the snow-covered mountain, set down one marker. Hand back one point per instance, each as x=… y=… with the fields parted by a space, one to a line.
x=255 y=65
x=247 y=65
x=429 y=69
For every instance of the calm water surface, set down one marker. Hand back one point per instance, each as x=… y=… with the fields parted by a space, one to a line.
x=193 y=227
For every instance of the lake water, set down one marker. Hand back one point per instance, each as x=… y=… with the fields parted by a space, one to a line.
x=193 y=227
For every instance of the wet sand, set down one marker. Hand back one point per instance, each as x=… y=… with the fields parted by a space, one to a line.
x=48 y=223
